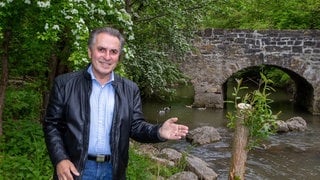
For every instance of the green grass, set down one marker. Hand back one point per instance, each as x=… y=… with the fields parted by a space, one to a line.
x=143 y=167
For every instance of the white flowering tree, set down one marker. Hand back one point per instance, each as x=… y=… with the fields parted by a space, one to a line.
x=162 y=29
x=44 y=38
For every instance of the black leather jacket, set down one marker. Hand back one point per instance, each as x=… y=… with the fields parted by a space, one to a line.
x=67 y=121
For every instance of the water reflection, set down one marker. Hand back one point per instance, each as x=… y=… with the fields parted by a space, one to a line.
x=293 y=155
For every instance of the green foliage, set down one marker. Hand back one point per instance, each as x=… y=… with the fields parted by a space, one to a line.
x=278 y=77
x=143 y=167
x=27 y=55
x=67 y=24
x=138 y=167
x=161 y=38
x=22 y=104
x=23 y=154
x=260 y=14
x=166 y=29
x=259 y=119
x=41 y=29
x=156 y=75
x=156 y=36
x=232 y=116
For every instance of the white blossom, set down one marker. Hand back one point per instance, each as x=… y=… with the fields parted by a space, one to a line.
x=46 y=26
x=63 y=11
x=68 y=17
x=93 y=6
x=109 y=3
x=131 y=37
x=56 y=27
x=74 y=11
x=76 y=43
x=77 y=1
x=27 y=1
x=81 y=21
x=74 y=31
x=9 y=1
x=43 y=4
x=79 y=26
x=101 y=12
x=2 y=4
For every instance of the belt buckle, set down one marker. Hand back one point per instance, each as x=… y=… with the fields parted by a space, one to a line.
x=100 y=158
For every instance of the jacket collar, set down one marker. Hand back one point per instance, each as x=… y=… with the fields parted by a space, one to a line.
x=87 y=75
x=85 y=72
x=117 y=80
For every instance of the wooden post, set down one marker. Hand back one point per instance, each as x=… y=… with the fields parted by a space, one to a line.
x=239 y=147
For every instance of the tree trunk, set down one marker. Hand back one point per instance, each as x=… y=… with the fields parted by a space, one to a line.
x=4 y=74
x=239 y=147
x=56 y=67
x=53 y=67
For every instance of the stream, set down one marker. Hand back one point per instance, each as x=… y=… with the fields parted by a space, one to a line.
x=292 y=155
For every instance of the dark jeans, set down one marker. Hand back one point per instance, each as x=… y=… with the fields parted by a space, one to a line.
x=97 y=171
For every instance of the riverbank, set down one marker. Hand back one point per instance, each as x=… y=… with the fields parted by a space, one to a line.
x=183 y=164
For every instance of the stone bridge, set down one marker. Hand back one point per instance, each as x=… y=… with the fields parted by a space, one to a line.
x=221 y=53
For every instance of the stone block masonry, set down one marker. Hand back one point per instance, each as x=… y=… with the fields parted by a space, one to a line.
x=220 y=53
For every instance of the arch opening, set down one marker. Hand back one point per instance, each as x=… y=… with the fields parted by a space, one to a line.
x=297 y=90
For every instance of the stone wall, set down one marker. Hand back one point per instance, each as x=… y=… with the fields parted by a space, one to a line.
x=221 y=53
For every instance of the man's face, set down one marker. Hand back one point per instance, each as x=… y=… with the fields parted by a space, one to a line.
x=104 y=55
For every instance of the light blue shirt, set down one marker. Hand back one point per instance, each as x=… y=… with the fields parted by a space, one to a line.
x=101 y=114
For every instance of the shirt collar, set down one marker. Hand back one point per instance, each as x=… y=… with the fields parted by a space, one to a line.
x=94 y=78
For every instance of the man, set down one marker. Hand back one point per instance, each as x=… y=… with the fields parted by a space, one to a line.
x=92 y=114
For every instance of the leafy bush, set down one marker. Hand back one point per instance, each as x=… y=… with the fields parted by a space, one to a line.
x=280 y=78
x=257 y=14
x=22 y=104
x=23 y=154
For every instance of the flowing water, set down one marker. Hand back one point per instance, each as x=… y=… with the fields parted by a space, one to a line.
x=292 y=155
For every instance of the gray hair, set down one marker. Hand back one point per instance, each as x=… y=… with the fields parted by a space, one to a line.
x=107 y=30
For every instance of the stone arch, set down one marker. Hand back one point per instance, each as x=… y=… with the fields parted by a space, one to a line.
x=219 y=53
x=304 y=95
x=304 y=91
x=305 y=73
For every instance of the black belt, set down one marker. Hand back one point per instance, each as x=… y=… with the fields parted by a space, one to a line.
x=99 y=158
